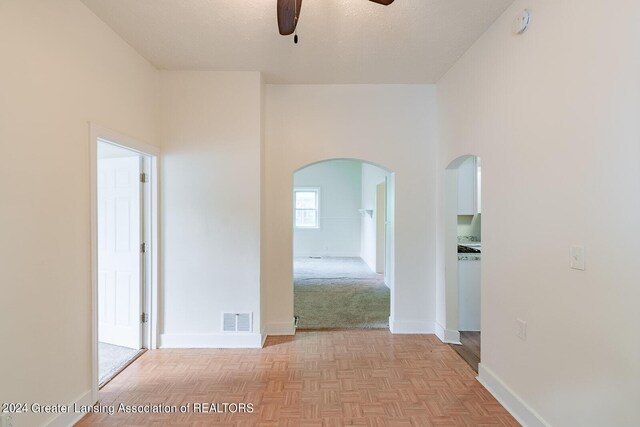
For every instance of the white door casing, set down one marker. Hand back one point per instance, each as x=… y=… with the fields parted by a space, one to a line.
x=381 y=219
x=119 y=257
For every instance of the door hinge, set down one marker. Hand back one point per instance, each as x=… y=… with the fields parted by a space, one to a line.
x=143 y=248
x=144 y=318
x=143 y=177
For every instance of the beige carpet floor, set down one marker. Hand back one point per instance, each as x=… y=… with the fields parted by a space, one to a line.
x=111 y=358
x=339 y=293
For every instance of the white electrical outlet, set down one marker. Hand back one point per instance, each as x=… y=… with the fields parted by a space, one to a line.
x=522 y=329
x=6 y=420
x=577 y=257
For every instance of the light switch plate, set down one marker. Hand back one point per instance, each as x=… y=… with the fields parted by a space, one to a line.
x=577 y=257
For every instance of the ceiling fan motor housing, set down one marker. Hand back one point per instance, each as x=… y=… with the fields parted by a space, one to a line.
x=289 y=14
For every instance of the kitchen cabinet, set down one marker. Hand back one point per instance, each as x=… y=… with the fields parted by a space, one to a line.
x=469 y=187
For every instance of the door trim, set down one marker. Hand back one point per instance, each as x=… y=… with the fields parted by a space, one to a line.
x=151 y=155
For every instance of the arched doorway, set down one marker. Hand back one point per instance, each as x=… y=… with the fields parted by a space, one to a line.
x=342 y=261
x=463 y=257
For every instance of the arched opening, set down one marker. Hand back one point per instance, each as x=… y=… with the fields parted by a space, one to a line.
x=343 y=216
x=463 y=247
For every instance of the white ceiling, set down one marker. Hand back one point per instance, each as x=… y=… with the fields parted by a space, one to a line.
x=341 y=41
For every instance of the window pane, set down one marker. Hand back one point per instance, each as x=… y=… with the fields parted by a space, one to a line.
x=306 y=200
x=309 y=218
x=306 y=218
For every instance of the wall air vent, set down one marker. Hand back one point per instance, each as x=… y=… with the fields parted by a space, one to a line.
x=237 y=322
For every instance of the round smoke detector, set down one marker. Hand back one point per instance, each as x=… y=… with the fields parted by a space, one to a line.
x=522 y=22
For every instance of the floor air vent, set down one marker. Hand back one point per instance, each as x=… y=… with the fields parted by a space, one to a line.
x=236 y=322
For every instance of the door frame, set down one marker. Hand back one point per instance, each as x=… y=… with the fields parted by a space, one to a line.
x=283 y=328
x=150 y=155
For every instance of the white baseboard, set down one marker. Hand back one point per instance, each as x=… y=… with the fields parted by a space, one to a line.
x=263 y=337
x=280 y=328
x=507 y=398
x=70 y=418
x=447 y=336
x=411 y=326
x=327 y=254
x=230 y=340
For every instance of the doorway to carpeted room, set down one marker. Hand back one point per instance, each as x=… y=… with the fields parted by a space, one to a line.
x=339 y=293
x=343 y=228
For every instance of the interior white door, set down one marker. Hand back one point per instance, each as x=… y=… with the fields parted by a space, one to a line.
x=119 y=258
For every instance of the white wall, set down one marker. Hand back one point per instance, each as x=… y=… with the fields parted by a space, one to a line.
x=340 y=193
x=389 y=125
x=61 y=68
x=554 y=115
x=211 y=142
x=371 y=177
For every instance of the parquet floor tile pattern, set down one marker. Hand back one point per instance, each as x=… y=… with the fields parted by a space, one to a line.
x=324 y=378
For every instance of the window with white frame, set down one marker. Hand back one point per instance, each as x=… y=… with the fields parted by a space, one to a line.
x=307 y=205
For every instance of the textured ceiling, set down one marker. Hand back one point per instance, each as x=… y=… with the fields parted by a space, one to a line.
x=341 y=41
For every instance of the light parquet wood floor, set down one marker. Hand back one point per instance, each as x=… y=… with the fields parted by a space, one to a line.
x=328 y=378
